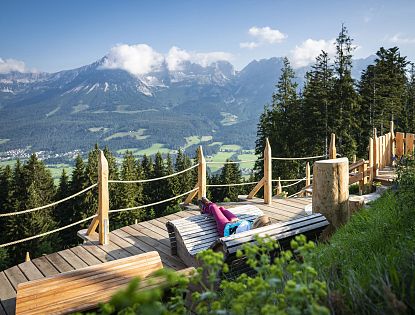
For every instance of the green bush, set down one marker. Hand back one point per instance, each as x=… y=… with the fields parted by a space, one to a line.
x=286 y=285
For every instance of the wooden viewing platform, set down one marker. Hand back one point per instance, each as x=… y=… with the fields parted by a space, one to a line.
x=124 y=242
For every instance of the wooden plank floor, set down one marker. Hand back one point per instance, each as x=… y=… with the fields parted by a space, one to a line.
x=124 y=242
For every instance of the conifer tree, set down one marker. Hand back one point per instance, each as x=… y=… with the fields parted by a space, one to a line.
x=410 y=105
x=185 y=179
x=147 y=167
x=345 y=105
x=317 y=100
x=90 y=204
x=63 y=212
x=5 y=195
x=38 y=190
x=160 y=189
x=230 y=174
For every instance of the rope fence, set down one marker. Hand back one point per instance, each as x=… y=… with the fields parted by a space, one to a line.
x=233 y=162
x=230 y=185
x=48 y=205
x=154 y=203
x=47 y=233
x=297 y=182
x=299 y=158
x=139 y=181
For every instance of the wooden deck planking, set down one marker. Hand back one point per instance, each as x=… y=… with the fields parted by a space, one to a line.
x=124 y=242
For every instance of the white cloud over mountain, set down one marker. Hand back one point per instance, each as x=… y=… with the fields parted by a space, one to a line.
x=267 y=34
x=263 y=35
x=305 y=53
x=141 y=58
x=10 y=65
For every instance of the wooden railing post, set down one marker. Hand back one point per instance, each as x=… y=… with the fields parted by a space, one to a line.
x=375 y=153
x=307 y=177
x=332 y=148
x=409 y=143
x=363 y=181
x=201 y=174
x=103 y=200
x=267 y=173
x=279 y=187
x=371 y=160
x=102 y=219
x=392 y=141
x=27 y=258
x=400 y=144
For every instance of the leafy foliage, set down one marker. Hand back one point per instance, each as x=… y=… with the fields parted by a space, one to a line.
x=287 y=284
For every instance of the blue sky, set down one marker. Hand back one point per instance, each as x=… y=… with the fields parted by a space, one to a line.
x=57 y=35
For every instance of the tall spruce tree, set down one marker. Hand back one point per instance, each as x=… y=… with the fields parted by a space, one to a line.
x=90 y=204
x=6 y=181
x=63 y=212
x=281 y=123
x=230 y=174
x=37 y=189
x=317 y=106
x=345 y=101
x=410 y=104
x=160 y=188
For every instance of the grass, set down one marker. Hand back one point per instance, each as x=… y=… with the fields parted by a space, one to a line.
x=242 y=157
x=56 y=171
x=138 y=135
x=9 y=162
x=156 y=147
x=230 y=147
x=219 y=157
x=228 y=119
x=368 y=263
x=98 y=129
x=3 y=141
x=215 y=143
x=192 y=140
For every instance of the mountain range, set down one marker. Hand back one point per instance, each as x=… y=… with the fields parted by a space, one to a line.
x=74 y=109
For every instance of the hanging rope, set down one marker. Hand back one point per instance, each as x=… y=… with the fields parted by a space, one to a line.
x=289 y=185
x=49 y=205
x=229 y=185
x=299 y=158
x=47 y=233
x=151 y=179
x=289 y=180
x=233 y=162
x=154 y=203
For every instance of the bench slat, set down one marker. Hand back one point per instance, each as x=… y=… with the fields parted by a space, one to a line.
x=83 y=288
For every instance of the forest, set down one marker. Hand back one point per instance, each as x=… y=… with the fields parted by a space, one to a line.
x=297 y=123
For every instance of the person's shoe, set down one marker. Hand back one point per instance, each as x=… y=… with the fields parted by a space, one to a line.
x=205 y=201
x=200 y=204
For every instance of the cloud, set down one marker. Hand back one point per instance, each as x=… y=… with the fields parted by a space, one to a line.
x=141 y=59
x=308 y=50
x=263 y=35
x=136 y=59
x=398 y=39
x=267 y=34
x=249 y=45
x=10 y=65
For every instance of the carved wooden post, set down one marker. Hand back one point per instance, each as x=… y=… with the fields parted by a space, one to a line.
x=370 y=160
x=332 y=147
x=201 y=174
x=267 y=173
x=307 y=176
x=375 y=152
x=279 y=187
x=103 y=200
x=331 y=190
x=363 y=181
x=392 y=140
x=399 y=144
x=409 y=143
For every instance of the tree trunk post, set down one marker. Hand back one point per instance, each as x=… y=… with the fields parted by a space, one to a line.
x=201 y=174
x=332 y=148
x=307 y=176
x=400 y=144
x=27 y=258
x=267 y=173
x=363 y=181
x=103 y=199
x=331 y=190
x=409 y=143
x=370 y=159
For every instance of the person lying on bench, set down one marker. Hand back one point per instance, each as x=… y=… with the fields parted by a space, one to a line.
x=226 y=222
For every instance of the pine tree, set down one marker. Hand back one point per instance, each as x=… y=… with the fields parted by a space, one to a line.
x=317 y=100
x=160 y=189
x=63 y=212
x=174 y=187
x=113 y=188
x=410 y=105
x=230 y=174
x=37 y=190
x=147 y=167
x=90 y=204
x=185 y=179
x=345 y=104
x=5 y=195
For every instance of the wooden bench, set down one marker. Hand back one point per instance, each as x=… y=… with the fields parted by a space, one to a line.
x=83 y=289
x=189 y=236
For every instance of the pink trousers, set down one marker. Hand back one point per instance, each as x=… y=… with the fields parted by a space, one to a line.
x=222 y=216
